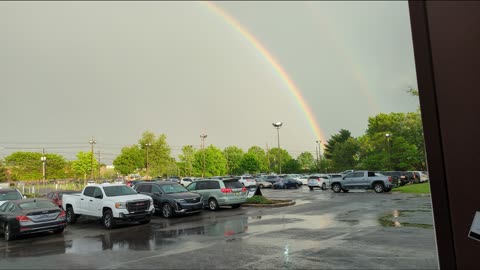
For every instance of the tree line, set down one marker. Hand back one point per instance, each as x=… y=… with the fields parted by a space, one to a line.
x=392 y=141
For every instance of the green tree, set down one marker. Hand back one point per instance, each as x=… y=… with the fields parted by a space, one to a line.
x=28 y=165
x=307 y=162
x=233 y=155
x=215 y=162
x=250 y=163
x=345 y=155
x=340 y=137
x=186 y=159
x=130 y=159
x=274 y=155
x=82 y=166
x=292 y=166
x=159 y=153
x=261 y=157
x=3 y=172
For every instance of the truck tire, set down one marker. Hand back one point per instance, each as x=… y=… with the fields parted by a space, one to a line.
x=336 y=188
x=71 y=217
x=108 y=220
x=378 y=187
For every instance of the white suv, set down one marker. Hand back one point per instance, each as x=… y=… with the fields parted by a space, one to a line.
x=247 y=180
x=319 y=181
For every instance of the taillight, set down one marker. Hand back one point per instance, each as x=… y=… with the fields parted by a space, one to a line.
x=62 y=214
x=22 y=218
x=390 y=179
x=244 y=189
x=226 y=190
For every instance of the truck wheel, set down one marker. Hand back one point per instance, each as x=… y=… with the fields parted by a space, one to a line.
x=212 y=204
x=378 y=187
x=337 y=188
x=108 y=221
x=71 y=217
x=324 y=186
x=167 y=210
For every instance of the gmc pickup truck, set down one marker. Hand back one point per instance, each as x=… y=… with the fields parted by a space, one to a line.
x=110 y=202
x=362 y=180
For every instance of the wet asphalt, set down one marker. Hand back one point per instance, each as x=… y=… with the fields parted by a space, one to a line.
x=323 y=230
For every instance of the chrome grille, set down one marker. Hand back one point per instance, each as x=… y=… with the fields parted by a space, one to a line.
x=138 y=206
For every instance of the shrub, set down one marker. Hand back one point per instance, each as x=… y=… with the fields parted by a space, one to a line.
x=259 y=200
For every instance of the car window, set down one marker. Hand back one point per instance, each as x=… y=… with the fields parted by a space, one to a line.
x=192 y=186
x=10 y=195
x=357 y=174
x=11 y=207
x=140 y=188
x=271 y=177
x=174 y=188
x=3 y=207
x=118 y=191
x=232 y=184
x=89 y=191
x=371 y=174
x=37 y=205
x=97 y=192
x=202 y=185
x=349 y=175
x=155 y=189
x=213 y=185
x=147 y=188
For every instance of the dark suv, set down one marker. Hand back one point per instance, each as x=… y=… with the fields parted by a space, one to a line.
x=171 y=198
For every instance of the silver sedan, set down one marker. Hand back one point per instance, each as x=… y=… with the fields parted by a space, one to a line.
x=263 y=184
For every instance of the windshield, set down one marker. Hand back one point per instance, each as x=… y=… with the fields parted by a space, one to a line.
x=118 y=191
x=232 y=184
x=37 y=205
x=173 y=189
x=10 y=195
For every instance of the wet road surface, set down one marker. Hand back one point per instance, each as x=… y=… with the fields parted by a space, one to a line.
x=323 y=230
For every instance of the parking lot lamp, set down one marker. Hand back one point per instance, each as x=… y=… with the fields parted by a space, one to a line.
x=202 y=137
x=44 y=161
x=387 y=136
x=278 y=125
x=92 y=142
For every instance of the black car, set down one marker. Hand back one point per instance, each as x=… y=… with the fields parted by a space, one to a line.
x=171 y=198
x=286 y=183
x=30 y=216
x=399 y=178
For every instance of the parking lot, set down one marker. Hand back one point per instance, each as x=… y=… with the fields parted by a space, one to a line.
x=323 y=230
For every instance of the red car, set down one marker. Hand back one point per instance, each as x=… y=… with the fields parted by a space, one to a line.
x=56 y=196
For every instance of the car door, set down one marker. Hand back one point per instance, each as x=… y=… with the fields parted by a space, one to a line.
x=96 y=202
x=350 y=180
x=201 y=188
x=84 y=206
x=3 y=214
x=157 y=196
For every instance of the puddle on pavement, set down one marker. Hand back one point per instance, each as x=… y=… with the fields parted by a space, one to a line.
x=391 y=219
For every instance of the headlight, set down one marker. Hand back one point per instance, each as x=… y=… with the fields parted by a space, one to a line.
x=180 y=200
x=121 y=205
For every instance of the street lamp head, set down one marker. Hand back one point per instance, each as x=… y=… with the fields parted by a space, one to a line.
x=277 y=124
x=203 y=136
x=148 y=144
x=92 y=141
x=388 y=135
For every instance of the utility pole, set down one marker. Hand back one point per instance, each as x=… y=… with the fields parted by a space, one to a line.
x=44 y=161
x=99 y=164
x=92 y=142
x=277 y=125
x=226 y=156
x=316 y=153
x=202 y=137
x=319 y=153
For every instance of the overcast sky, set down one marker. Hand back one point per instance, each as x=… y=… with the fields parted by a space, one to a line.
x=112 y=70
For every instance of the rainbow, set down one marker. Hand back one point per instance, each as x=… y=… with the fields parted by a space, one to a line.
x=274 y=63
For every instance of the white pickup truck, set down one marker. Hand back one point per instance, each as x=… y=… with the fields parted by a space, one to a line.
x=110 y=202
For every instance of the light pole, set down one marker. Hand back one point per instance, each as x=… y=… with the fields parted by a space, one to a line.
x=202 y=137
x=44 y=161
x=147 y=145
x=318 y=154
x=92 y=142
x=277 y=125
x=387 y=137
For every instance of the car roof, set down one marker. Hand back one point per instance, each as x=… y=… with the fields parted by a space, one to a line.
x=5 y=190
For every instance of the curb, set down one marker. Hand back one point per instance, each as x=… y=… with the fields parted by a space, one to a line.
x=280 y=204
